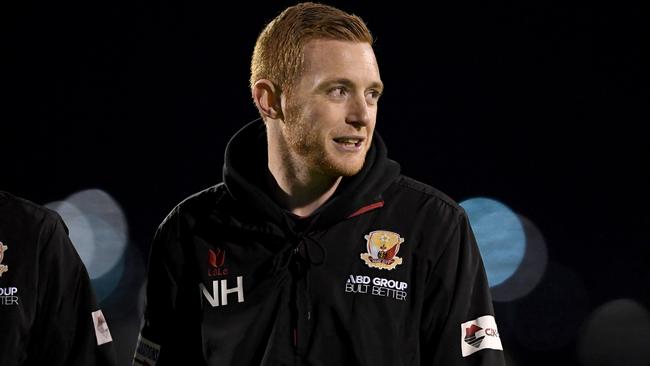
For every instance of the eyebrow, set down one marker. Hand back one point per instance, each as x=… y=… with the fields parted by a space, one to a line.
x=348 y=83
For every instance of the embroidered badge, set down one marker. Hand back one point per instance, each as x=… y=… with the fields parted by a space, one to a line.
x=3 y=268
x=382 y=247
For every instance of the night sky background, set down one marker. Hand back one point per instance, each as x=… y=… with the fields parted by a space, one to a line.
x=540 y=106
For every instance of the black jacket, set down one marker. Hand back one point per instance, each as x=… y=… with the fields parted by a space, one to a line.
x=48 y=314
x=385 y=273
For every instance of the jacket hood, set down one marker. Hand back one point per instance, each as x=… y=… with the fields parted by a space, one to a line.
x=245 y=174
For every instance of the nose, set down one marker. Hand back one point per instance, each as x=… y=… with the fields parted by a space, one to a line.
x=359 y=113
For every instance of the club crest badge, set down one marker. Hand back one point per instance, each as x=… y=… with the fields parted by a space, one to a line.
x=382 y=247
x=3 y=268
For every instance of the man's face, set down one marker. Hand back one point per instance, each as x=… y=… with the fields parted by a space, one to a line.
x=330 y=113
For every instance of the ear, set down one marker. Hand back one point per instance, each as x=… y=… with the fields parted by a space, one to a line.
x=267 y=99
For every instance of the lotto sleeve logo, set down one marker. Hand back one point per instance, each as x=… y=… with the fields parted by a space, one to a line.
x=479 y=334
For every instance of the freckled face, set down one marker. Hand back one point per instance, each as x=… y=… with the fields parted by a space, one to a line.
x=331 y=113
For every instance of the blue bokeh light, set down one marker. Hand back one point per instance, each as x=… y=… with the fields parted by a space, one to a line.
x=106 y=284
x=531 y=269
x=500 y=236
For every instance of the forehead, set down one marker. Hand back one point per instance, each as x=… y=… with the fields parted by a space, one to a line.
x=332 y=59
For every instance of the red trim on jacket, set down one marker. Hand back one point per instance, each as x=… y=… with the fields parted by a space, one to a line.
x=365 y=209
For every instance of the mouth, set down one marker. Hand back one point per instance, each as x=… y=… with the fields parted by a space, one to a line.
x=350 y=143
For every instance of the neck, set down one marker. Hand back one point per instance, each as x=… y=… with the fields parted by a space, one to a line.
x=300 y=190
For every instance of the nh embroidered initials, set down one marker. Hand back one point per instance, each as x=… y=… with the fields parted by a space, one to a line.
x=220 y=292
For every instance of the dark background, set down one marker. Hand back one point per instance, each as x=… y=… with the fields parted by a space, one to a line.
x=541 y=106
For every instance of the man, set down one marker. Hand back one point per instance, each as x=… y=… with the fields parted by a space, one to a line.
x=315 y=250
x=48 y=314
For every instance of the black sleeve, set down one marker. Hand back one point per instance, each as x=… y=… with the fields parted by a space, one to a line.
x=458 y=326
x=169 y=335
x=69 y=329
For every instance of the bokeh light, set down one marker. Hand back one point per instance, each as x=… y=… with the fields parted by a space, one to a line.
x=500 y=237
x=106 y=284
x=99 y=233
x=617 y=333
x=530 y=271
x=80 y=232
x=108 y=225
x=550 y=316
x=125 y=305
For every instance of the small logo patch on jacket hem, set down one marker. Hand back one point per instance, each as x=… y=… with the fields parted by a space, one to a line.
x=479 y=334
x=146 y=353
x=102 y=333
x=382 y=247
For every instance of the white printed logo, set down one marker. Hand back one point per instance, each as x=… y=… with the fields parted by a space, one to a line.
x=479 y=334
x=376 y=286
x=101 y=328
x=8 y=296
x=213 y=298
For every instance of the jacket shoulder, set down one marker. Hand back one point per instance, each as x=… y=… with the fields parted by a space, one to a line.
x=414 y=190
x=199 y=204
x=431 y=217
x=26 y=214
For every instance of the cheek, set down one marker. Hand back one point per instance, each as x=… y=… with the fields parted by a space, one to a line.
x=333 y=116
x=370 y=126
x=373 y=114
x=322 y=120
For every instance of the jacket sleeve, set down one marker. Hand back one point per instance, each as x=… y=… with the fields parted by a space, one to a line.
x=169 y=335
x=458 y=326
x=69 y=329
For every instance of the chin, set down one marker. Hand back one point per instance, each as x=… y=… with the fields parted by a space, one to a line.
x=342 y=169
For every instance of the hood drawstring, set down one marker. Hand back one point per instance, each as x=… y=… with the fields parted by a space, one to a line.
x=304 y=252
x=304 y=248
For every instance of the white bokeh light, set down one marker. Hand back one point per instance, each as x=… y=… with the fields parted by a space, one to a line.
x=97 y=227
x=80 y=231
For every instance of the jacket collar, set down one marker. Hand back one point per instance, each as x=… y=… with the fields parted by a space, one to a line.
x=245 y=167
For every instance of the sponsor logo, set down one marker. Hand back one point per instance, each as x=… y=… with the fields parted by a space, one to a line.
x=216 y=259
x=471 y=338
x=8 y=296
x=146 y=353
x=376 y=286
x=220 y=292
x=3 y=268
x=382 y=247
x=479 y=334
x=102 y=333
